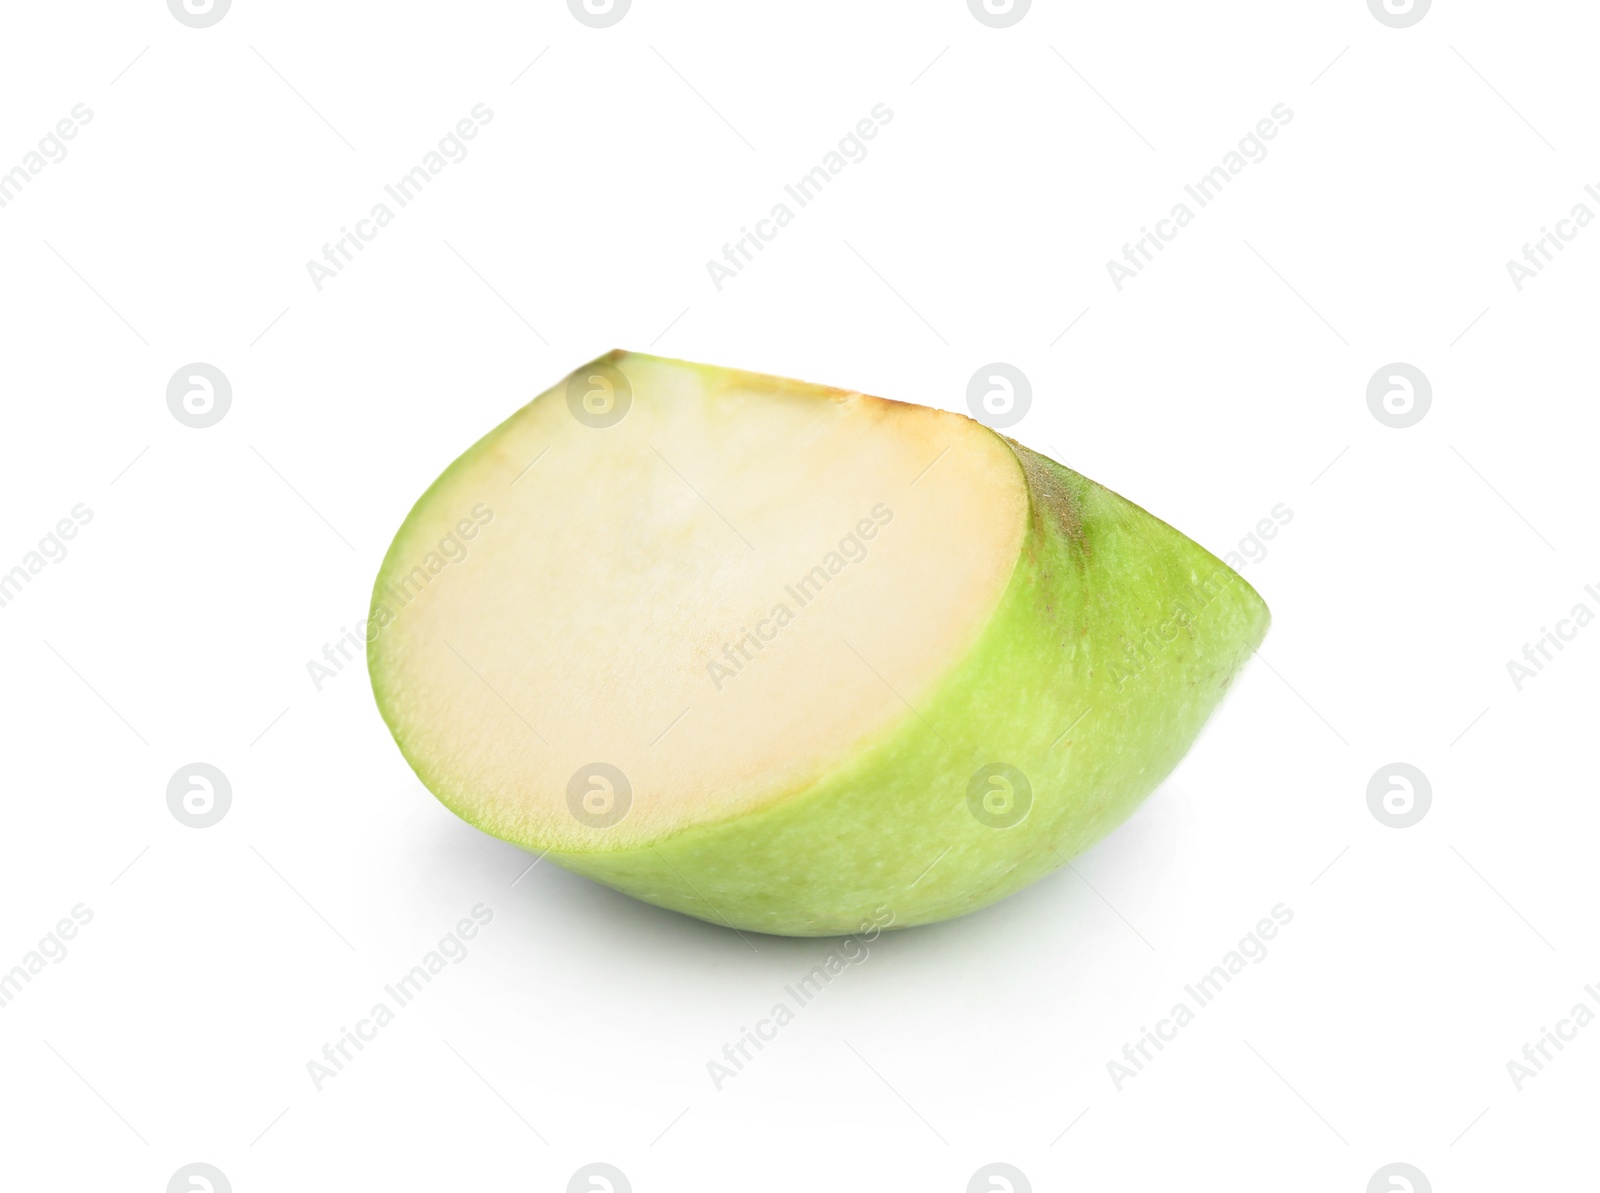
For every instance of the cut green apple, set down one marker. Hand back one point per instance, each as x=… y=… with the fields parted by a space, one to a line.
x=790 y=658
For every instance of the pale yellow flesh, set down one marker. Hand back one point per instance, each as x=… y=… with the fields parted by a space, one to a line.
x=587 y=619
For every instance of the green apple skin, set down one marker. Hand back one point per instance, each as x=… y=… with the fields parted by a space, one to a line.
x=1115 y=640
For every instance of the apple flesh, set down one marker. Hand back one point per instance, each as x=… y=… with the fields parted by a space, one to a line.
x=789 y=658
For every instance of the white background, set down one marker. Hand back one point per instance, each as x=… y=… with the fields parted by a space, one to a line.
x=1229 y=377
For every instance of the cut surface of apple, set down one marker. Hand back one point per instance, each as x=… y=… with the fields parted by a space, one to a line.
x=791 y=658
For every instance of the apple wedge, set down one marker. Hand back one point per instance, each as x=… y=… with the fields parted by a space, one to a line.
x=789 y=658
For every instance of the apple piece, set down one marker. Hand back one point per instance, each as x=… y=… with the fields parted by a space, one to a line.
x=790 y=658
